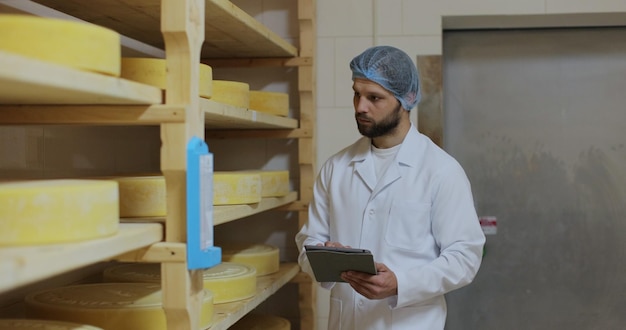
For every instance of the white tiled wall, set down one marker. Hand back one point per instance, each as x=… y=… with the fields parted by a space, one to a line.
x=347 y=27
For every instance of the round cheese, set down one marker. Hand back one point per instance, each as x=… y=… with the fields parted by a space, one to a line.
x=133 y=272
x=261 y=322
x=230 y=282
x=273 y=183
x=270 y=102
x=152 y=71
x=264 y=258
x=142 y=196
x=78 y=45
x=233 y=187
x=226 y=281
x=119 y=306
x=231 y=92
x=57 y=211
x=29 y=324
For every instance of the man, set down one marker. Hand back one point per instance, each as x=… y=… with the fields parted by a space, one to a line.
x=397 y=194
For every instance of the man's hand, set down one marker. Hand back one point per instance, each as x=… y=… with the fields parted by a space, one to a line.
x=379 y=286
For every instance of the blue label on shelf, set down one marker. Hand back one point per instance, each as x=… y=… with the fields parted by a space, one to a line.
x=200 y=250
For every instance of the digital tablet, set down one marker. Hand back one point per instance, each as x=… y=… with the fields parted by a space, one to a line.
x=328 y=262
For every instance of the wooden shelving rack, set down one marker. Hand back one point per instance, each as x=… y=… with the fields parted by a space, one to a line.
x=190 y=31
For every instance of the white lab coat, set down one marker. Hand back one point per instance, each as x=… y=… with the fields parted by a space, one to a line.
x=418 y=219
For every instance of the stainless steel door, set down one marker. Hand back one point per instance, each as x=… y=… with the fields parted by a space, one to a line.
x=537 y=118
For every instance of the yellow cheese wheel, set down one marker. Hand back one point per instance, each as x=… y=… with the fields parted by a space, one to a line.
x=261 y=322
x=226 y=281
x=270 y=102
x=231 y=92
x=57 y=211
x=142 y=196
x=273 y=183
x=230 y=282
x=152 y=71
x=74 y=44
x=234 y=187
x=263 y=257
x=30 y=324
x=119 y=306
x=133 y=272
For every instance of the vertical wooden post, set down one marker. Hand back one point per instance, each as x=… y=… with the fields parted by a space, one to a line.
x=182 y=24
x=307 y=146
x=430 y=111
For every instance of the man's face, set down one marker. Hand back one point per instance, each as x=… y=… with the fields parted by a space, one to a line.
x=377 y=111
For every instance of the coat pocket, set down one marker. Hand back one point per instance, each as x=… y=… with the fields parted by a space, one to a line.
x=408 y=224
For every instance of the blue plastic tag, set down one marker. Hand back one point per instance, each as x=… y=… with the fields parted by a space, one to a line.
x=200 y=250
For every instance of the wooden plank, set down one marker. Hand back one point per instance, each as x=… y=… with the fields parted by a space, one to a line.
x=24 y=265
x=182 y=23
x=218 y=115
x=28 y=81
x=257 y=62
x=263 y=134
x=229 y=313
x=229 y=31
x=158 y=252
x=226 y=213
x=91 y=114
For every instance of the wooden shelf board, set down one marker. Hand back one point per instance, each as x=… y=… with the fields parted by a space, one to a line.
x=229 y=313
x=90 y=114
x=223 y=214
x=223 y=116
x=24 y=265
x=229 y=31
x=227 y=213
x=28 y=81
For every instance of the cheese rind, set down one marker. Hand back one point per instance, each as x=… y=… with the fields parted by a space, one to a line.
x=230 y=282
x=231 y=92
x=263 y=257
x=273 y=103
x=142 y=196
x=226 y=281
x=119 y=306
x=274 y=183
x=30 y=324
x=57 y=211
x=233 y=187
x=152 y=71
x=78 y=45
x=261 y=322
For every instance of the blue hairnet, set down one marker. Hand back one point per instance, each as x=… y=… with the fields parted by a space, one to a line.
x=391 y=68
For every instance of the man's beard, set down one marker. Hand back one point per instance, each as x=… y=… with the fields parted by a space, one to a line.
x=384 y=127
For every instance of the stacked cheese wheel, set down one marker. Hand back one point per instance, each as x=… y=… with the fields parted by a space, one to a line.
x=30 y=324
x=274 y=183
x=262 y=257
x=273 y=103
x=261 y=322
x=226 y=281
x=231 y=92
x=232 y=187
x=142 y=196
x=73 y=44
x=152 y=71
x=119 y=306
x=145 y=196
x=230 y=282
x=57 y=211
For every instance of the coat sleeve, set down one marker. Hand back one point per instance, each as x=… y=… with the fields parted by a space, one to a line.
x=457 y=232
x=316 y=229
